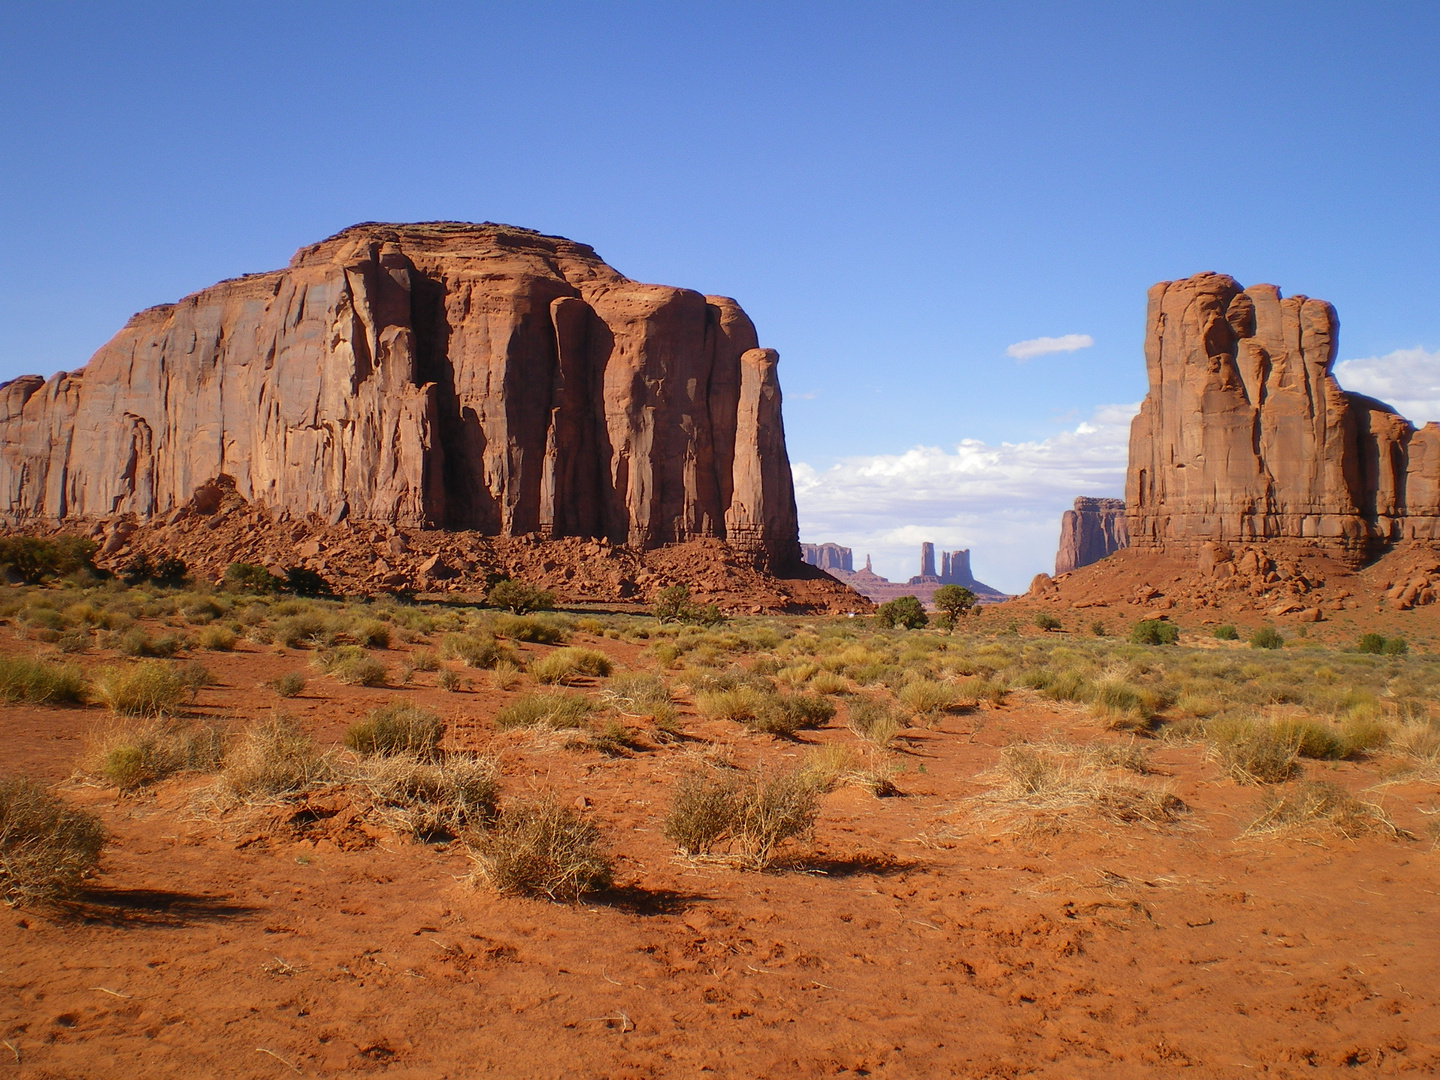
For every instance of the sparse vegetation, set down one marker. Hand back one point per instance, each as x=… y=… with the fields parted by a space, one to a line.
x=568 y=664
x=1226 y=632
x=429 y=797
x=556 y=709
x=751 y=815
x=1319 y=805
x=149 y=688
x=518 y=598
x=272 y=758
x=1267 y=637
x=39 y=683
x=540 y=847
x=399 y=728
x=47 y=848
x=289 y=685
x=1155 y=632
x=130 y=756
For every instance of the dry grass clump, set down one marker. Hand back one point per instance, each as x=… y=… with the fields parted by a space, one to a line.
x=131 y=756
x=1054 y=787
x=303 y=629
x=352 y=665
x=874 y=720
x=550 y=709
x=46 y=847
x=271 y=758
x=424 y=660
x=1253 y=752
x=477 y=650
x=398 y=728
x=289 y=685
x=540 y=847
x=149 y=688
x=564 y=666
x=751 y=814
x=24 y=679
x=643 y=695
x=1126 y=706
x=429 y=797
x=927 y=698
x=369 y=633
x=217 y=638
x=527 y=628
x=1319 y=805
x=760 y=708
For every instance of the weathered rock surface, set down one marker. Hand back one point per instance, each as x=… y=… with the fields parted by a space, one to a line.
x=1245 y=435
x=828 y=556
x=473 y=377
x=1091 y=531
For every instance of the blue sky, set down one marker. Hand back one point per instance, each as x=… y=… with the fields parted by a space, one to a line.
x=895 y=193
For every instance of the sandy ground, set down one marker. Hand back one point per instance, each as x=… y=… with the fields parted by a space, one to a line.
x=911 y=940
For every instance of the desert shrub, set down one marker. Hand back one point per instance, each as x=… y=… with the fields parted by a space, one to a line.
x=1046 y=622
x=425 y=660
x=477 y=650
x=1124 y=705
x=741 y=704
x=353 y=666
x=305 y=628
x=449 y=681
x=430 y=798
x=566 y=665
x=953 y=602
x=1253 y=752
x=74 y=641
x=874 y=720
x=271 y=758
x=505 y=675
x=161 y=569
x=130 y=756
x=520 y=628
x=551 y=709
x=1311 y=738
x=540 y=847
x=303 y=582
x=1370 y=643
x=1070 y=685
x=46 y=847
x=638 y=694
x=34 y=559
x=1319 y=804
x=217 y=638
x=905 y=612
x=371 y=633
x=927 y=698
x=39 y=683
x=399 y=728
x=1225 y=632
x=1267 y=637
x=1155 y=632
x=1395 y=646
x=251 y=578
x=202 y=611
x=1043 y=786
x=828 y=682
x=673 y=604
x=289 y=685
x=519 y=598
x=1362 y=730
x=148 y=688
x=753 y=815
x=138 y=642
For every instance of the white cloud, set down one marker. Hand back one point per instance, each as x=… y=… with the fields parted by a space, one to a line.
x=1003 y=502
x=1406 y=379
x=1028 y=350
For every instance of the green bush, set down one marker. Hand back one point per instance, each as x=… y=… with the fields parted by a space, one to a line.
x=568 y=664
x=39 y=683
x=1267 y=637
x=361 y=671
x=1395 y=646
x=251 y=578
x=1046 y=622
x=46 y=847
x=905 y=612
x=303 y=582
x=673 y=604
x=519 y=598
x=1380 y=645
x=953 y=601
x=399 y=728
x=553 y=710
x=162 y=570
x=1155 y=632
x=33 y=559
x=477 y=650
x=522 y=628
x=371 y=633
x=1226 y=632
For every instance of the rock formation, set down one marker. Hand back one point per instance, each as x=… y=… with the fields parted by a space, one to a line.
x=476 y=377
x=828 y=556
x=1094 y=529
x=1245 y=436
x=955 y=570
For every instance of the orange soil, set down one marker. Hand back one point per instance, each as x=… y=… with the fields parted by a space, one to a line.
x=910 y=941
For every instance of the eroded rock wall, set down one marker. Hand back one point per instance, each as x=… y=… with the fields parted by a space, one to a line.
x=445 y=374
x=1094 y=529
x=1245 y=435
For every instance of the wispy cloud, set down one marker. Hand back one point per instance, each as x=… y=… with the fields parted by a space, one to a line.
x=1407 y=379
x=1001 y=501
x=1028 y=350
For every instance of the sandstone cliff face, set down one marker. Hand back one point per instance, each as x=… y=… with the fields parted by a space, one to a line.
x=444 y=374
x=1245 y=435
x=828 y=557
x=1094 y=529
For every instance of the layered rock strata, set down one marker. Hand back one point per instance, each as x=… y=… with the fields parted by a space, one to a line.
x=1245 y=435
x=1094 y=529
x=475 y=377
x=828 y=556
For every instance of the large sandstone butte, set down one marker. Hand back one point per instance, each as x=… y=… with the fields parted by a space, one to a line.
x=475 y=377
x=1094 y=529
x=1245 y=436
